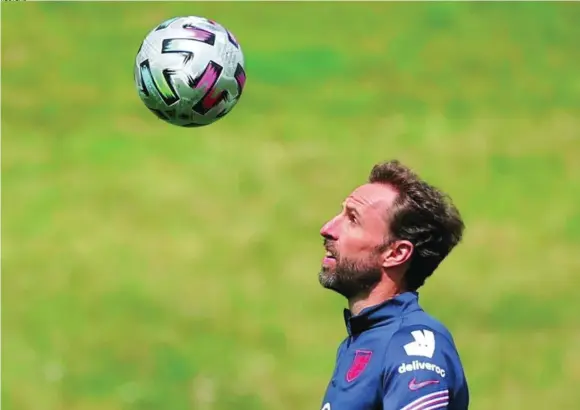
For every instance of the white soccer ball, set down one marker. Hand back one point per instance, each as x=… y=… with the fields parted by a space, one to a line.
x=189 y=71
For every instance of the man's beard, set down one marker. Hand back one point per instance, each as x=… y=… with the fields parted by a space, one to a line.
x=352 y=278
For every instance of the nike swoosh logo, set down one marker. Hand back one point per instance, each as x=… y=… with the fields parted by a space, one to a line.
x=413 y=385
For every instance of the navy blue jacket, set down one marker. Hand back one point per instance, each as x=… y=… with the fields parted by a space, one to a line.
x=397 y=357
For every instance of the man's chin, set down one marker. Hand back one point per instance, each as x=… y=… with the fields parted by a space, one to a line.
x=329 y=280
x=332 y=280
x=326 y=277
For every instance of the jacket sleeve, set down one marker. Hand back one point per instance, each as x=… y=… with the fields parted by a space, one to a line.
x=419 y=372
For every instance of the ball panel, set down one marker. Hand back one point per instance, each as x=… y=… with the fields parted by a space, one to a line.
x=199 y=34
x=207 y=82
x=240 y=76
x=166 y=23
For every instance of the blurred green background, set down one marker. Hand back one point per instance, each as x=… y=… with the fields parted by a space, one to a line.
x=150 y=267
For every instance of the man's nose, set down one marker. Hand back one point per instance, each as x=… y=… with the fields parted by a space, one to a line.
x=329 y=230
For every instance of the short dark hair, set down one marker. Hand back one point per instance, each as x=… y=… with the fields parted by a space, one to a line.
x=421 y=214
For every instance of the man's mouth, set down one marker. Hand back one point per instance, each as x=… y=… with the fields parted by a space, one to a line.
x=329 y=258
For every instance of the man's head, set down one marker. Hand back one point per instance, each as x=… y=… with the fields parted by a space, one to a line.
x=395 y=227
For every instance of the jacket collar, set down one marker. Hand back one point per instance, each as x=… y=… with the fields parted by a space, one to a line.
x=381 y=314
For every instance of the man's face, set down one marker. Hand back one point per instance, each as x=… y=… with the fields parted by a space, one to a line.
x=355 y=241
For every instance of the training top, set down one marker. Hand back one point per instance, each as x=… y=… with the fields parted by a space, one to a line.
x=396 y=357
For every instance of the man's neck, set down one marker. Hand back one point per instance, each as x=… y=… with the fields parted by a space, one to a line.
x=381 y=293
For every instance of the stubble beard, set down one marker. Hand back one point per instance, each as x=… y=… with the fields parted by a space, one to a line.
x=351 y=278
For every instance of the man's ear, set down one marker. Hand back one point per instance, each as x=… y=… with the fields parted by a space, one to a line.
x=397 y=253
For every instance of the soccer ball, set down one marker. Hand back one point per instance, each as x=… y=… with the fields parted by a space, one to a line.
x=189 y=71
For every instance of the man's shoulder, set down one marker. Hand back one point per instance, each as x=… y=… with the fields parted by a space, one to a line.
x=424 y=338
x=422 y=363
x=420 y=338
x=419 y=320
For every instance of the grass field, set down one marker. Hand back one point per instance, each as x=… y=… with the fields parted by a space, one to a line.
x=148 y=267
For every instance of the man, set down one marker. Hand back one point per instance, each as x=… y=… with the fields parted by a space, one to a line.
x=390 y=236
